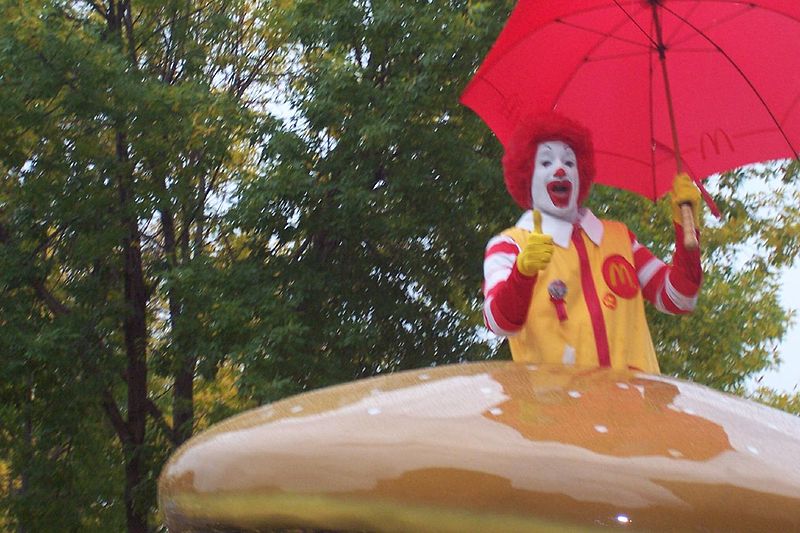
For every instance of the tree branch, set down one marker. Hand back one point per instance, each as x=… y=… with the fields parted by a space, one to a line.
x=115 y=417
x=53 y=304
x=97 y=8
x=158 y=417
x=127 y=22
x=171 y=22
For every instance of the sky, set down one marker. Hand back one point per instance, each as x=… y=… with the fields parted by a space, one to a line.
x=787 y=377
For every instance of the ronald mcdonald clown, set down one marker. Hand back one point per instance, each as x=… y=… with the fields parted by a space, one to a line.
x=565 y=286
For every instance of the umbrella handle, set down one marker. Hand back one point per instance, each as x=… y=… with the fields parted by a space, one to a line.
x=689 y=233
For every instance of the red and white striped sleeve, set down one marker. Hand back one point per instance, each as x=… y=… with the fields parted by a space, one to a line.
x=506 y=291
x=672 y=289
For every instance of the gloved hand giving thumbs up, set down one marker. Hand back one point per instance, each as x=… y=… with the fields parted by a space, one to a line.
x=538 y=249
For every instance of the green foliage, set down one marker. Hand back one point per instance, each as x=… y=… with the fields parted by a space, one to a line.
x=125 y=125
x=377 y=203
x=789 y=402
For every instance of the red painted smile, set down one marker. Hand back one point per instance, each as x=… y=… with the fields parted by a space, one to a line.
x=559 y=192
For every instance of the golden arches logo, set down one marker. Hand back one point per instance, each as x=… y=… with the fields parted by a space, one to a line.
x=620 y=276
x=715 y=138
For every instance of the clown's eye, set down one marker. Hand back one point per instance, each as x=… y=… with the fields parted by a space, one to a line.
x=545 y=163
x=569 y=164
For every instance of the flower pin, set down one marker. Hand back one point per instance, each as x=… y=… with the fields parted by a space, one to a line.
x=558 y=290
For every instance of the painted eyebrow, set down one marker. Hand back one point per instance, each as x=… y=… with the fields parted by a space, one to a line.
x=548 y=146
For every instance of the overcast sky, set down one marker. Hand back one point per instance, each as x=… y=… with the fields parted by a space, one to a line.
x=787 y=377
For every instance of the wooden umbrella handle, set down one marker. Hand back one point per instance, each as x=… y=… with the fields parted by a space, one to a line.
x=689 y=233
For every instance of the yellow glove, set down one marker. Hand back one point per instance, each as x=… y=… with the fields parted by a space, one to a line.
x=538 y=249
x=685 y=191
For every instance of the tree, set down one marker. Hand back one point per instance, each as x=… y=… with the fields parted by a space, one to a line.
x=374 y=200
x=125 y=124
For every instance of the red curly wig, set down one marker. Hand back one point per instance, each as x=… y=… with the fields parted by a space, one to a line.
x=518 y=161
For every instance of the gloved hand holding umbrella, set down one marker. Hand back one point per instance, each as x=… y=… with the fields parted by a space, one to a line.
x=685 y=193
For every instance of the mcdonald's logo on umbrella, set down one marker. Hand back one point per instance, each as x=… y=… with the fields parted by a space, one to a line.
x=714 y=140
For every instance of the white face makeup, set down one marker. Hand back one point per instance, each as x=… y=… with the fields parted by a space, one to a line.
x=555 y=185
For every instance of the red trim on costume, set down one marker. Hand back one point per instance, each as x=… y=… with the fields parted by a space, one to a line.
x=641 y=257
x=685 y=273
x=503 y=248
x=500 y=320
x=511 y=299
x=655 y=285
x=687 y=263
x=592 y=301
x=671 y=307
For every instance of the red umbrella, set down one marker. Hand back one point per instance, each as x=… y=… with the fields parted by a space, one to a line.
x=715 y=81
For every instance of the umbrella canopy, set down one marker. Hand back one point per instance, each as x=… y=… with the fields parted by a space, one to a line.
x=733 y=68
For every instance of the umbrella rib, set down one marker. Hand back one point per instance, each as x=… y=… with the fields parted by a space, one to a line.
x=678 y=28
x=716 y=24
x=617 y=56
x=741 y=73
x=749 y=5
x=621 y=156
x=693 y=51
x=601 y=33
x=605 y=36
x=633 y=20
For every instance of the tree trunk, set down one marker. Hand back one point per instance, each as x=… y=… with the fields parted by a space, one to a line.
x=183 y=390
x=135 y=321
x=183 y=402
x=135 y=333
x=27 y=454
